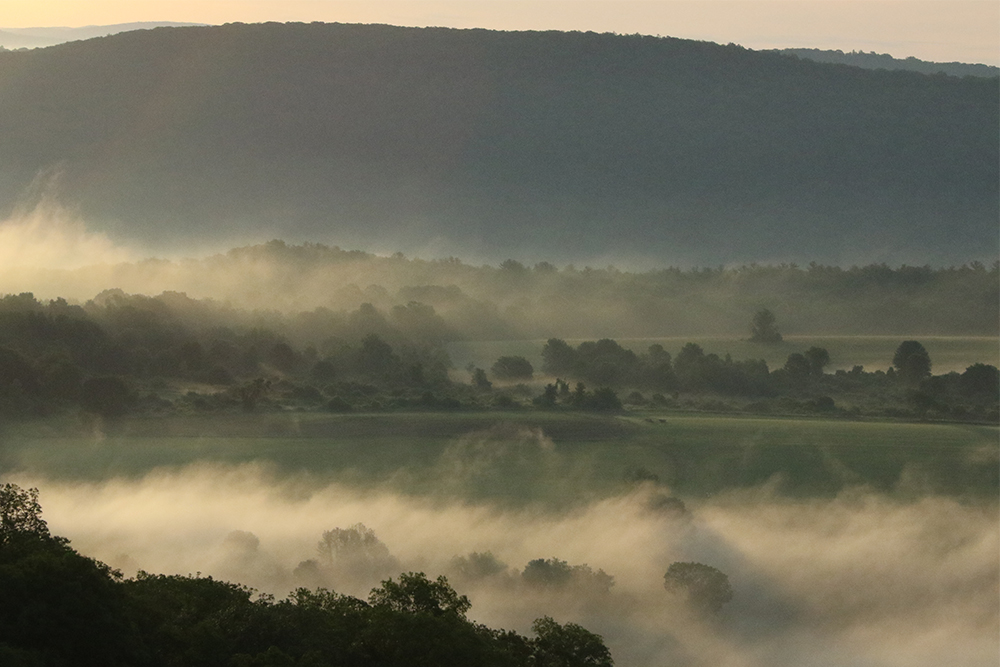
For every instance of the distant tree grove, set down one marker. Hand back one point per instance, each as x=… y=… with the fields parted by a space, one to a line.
x=125 y=354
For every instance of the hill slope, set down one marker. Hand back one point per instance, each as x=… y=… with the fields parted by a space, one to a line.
x=537 y=145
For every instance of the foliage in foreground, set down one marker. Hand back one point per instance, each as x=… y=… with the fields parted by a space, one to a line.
x=58 y=608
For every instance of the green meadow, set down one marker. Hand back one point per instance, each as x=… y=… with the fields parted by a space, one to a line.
x=521 y=458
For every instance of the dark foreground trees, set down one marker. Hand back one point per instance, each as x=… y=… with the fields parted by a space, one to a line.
x=56 y=606
x=59 y=608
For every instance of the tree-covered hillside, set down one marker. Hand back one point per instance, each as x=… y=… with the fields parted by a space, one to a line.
x=543 y=145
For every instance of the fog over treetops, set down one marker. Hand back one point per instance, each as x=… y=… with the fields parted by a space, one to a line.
x=53 y=255
x=481 y=144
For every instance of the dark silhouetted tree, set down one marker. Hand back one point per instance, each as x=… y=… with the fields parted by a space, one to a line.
x=818 y=358
x=981 y=379
x=762 y=328
x=253 y=392
x=558 y=358
x=479 y=380
x=20 y=513
x=705 y=587
x=568 y=645
x=512 y=368
x=477 y=565
x=376 y=358
x=912 y=362
x=797 y=366
x=416 y=594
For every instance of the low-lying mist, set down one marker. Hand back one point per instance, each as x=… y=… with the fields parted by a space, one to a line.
x=860 y=579
x=48 y=251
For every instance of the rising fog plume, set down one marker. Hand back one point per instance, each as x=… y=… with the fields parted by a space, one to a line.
x=50 y=237
x=860 y=579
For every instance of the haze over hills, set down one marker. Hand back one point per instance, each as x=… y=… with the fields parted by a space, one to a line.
x=874 y=60
x=33 y=38
x=484 y=144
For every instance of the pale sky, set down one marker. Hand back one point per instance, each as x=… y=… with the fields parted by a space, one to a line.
x=938 y=30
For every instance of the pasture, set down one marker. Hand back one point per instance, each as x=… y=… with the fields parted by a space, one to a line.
x=521 y=458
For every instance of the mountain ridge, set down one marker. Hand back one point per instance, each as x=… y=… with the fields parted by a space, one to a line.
x=44 y=36
x=540 y=145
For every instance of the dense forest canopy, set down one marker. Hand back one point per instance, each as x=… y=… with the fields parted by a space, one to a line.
x=542 y=145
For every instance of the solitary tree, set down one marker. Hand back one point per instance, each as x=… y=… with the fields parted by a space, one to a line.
x=762 y=329
x=818 y=358
x=912 y=362
x=706 y=588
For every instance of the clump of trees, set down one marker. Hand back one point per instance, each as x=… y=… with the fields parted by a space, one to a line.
x=122 y=354
x=512 y=368
x=553 y=573
x=608 y=363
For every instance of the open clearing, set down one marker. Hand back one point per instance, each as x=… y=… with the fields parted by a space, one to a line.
x=558 y=459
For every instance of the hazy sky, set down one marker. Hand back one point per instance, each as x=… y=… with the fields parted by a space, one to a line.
x=940 y=30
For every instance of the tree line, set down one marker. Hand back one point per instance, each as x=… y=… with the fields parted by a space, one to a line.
x=800 y=385
x=119 y=354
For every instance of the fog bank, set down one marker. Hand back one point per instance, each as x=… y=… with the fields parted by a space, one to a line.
x=857 y=580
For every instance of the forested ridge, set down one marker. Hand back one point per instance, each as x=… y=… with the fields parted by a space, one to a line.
x=543 y=145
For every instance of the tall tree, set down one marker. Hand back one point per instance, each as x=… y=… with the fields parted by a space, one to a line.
x=762 y=328
x=912 y=362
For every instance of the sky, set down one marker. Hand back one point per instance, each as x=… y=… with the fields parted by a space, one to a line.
x=936 y=30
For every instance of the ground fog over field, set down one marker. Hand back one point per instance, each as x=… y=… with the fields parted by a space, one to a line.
x=858 y=579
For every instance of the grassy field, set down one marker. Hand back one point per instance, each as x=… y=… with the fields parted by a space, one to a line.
x=518 y=458
x=948 y=353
